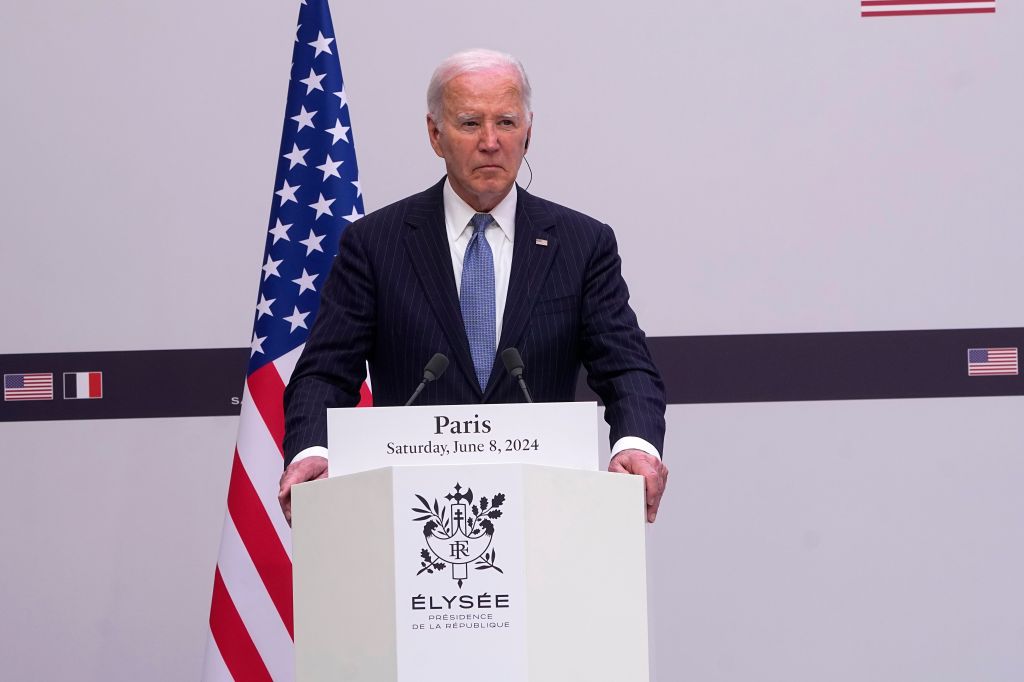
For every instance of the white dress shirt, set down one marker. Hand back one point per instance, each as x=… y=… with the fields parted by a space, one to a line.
x=500 y=235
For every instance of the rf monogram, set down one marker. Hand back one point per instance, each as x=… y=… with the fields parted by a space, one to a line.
x=459 y=549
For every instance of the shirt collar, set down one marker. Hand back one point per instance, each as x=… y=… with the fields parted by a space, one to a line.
x=458 y=213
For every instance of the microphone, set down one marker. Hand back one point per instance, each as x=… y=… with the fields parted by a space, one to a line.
x=514 y=366
x=434 y=369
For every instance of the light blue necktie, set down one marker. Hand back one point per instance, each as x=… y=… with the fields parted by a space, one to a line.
x=477 y=298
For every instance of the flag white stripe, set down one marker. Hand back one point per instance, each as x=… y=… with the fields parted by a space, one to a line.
x=263 y=463
x=254 y=604
x=286 y=363
x=214 y=668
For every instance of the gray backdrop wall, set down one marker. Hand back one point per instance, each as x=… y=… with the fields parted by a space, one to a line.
x=770 y=168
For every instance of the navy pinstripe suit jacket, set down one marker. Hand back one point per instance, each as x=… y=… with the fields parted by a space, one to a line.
x=391 y=300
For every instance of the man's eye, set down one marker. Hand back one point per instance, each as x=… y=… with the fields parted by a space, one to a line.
x=469 y=124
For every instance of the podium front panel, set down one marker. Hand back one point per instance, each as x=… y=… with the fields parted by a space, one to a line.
x=506 y=572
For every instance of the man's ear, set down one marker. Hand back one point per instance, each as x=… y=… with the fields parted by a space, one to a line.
x=434 y=133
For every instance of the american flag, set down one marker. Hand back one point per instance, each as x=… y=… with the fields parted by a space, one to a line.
x=896 y=8
x=316 y=195
x=991 y=361
x=35 y=386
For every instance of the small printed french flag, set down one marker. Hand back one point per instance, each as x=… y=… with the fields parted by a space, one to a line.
x=79 y=385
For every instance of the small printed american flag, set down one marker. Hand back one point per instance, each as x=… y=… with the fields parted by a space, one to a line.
x=37 y=386
x=983 y=362
x=897 y=8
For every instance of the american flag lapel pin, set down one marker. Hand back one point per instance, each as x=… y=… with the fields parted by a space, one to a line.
x=541 y=242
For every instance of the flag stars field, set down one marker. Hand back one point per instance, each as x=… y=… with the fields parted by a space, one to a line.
x=312 y=82
x=322 y=206
x=330 y=168
x=287 y=193
x=296 y=156
x=297 y=319
x=312 y=243
x=338 y=132
x=256 y=345
x=305 y=282
x=270 y=268
x=321 y=44
x=263 y=307
x=304 y=118
x=280 y=231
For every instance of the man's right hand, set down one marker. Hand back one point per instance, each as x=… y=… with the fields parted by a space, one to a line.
x=308 y=469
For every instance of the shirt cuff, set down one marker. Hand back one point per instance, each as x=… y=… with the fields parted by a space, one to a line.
x=625 y=443
x=313 y=451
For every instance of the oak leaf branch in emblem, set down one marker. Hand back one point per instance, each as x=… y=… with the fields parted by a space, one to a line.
x=458 y=533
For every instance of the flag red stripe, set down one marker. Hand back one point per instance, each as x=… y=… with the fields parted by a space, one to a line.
x=987 y=10
x=261 y=541
x=236 y=647
x=267 y=391
x=95 y=384
x=365 y=397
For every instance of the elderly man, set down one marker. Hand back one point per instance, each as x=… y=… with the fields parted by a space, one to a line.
x=470 y=267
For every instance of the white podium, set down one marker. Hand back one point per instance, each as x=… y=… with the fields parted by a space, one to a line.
x=499 y=571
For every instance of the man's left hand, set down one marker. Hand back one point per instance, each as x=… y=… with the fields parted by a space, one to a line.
x=655 y=475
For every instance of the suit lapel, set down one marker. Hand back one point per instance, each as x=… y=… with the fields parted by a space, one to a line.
x=427 y=244
x=532 y=254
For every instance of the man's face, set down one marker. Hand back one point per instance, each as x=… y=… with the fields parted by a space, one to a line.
x=482 y=136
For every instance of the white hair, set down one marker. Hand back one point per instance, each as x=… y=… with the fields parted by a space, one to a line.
x=469 y=61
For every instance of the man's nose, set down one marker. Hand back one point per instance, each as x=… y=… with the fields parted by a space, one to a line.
x=488 y=138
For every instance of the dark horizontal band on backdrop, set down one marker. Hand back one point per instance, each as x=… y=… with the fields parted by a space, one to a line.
x=829 y=366
x=696 y=369
x=203 y=382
